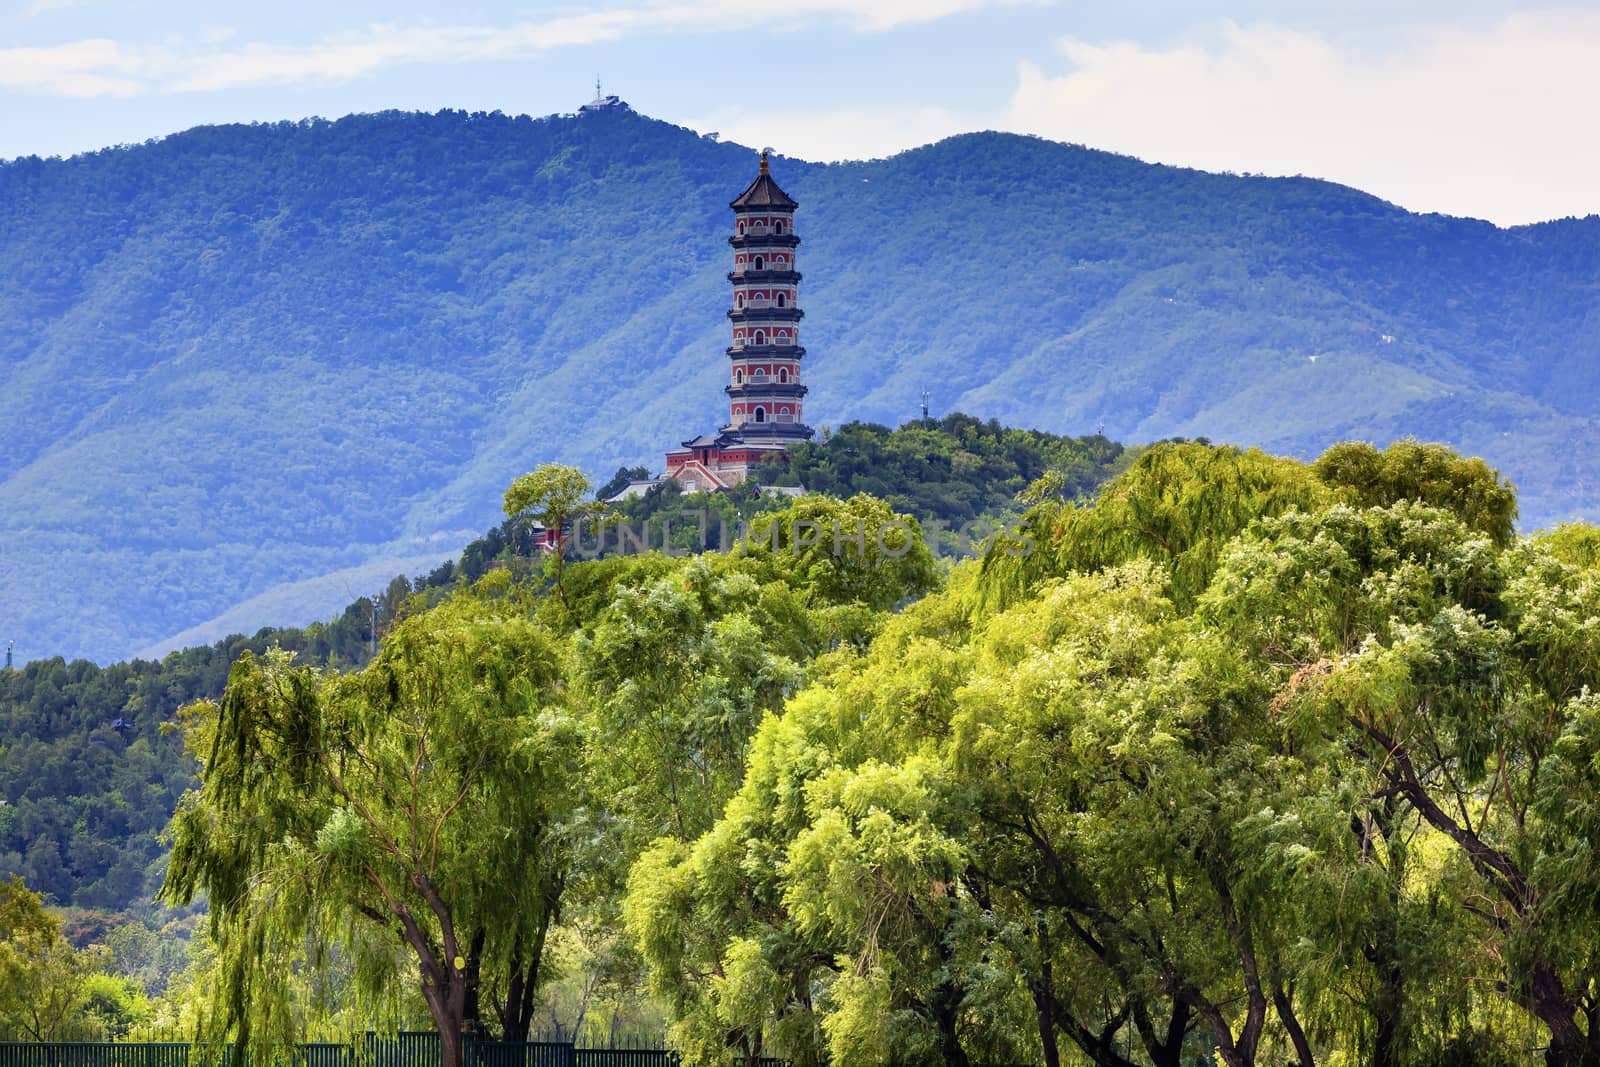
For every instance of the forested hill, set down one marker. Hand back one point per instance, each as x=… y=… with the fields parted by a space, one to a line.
x=245 y=356
x=90 y=771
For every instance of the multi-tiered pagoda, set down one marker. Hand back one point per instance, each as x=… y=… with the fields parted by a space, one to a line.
x=765 y=394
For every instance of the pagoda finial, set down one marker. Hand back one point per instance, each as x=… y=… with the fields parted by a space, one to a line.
x=764 y=168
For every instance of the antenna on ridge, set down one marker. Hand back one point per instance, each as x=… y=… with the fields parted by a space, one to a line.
x=924 y=405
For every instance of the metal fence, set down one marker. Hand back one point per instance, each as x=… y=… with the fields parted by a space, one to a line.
x=406 y=1049
x=87 y=1054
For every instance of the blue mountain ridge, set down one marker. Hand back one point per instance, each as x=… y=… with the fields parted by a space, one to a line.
x=244 y=358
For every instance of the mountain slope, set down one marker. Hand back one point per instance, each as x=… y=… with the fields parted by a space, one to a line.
x=247 y=356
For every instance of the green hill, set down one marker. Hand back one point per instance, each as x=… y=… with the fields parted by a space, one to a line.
x=244 y=357
x=89 y=774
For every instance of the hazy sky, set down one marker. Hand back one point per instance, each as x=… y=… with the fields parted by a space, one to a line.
x=1465 y=107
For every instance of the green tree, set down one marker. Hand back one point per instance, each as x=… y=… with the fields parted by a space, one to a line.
x=555 y=498
x=619 y=481
x=42 y=976
x=1459 y=678
x=424 y=801
x=846 y=551
x=715 y=919
x=1428 y=474
x=1179 y=505
x=1289 y=781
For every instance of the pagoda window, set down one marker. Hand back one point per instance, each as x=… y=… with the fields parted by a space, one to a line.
x=782 y=301
x=761 y=414
x=741 y=229
x=761 y=337
x=777 y=227
x=738 y=377
x=738 y=300
x=759 y=374
x=757 y=264
x=783 y=374
x=784 y=415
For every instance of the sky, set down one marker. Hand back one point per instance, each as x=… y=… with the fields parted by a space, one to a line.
x=1465 y=107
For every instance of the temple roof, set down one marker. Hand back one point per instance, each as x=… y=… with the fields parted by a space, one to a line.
x=763 y=192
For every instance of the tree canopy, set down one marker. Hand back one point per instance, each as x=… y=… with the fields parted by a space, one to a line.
x=1243 y=760
x=1267 y=762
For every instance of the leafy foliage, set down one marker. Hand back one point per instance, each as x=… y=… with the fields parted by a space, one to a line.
x=1248 y=760
x=1257 y=774
x=422 y=802
x=90 y=778
x=502 y=744
x=42 y=989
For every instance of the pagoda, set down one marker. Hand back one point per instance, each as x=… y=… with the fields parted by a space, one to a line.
x=765 y=393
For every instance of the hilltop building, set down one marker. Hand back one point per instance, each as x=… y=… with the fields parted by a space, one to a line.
x=765 y=392
x=602 y=102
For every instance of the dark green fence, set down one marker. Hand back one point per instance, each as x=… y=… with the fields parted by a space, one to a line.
x=406 y=1049
x=92 y=1054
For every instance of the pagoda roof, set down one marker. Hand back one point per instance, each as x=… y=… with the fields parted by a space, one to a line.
x=763 y=192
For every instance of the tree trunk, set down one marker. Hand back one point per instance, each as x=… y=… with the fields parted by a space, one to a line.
x=1044 y=1004
x=471 y=1009
x=946 y=1004
x=1388 y=1000
x=447 y=1008
x=1383 y=952
x=752 y=1049
x=1168 y=1051
x=1569 y=1046
x=1283 y=1001
x=521 y=994
x=450 y=1048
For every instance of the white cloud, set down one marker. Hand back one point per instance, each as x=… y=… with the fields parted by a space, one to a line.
x=95 y=67
x=1492 y=123
x=86 y=68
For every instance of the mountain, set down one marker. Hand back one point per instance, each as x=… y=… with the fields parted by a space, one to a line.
x=242 y=358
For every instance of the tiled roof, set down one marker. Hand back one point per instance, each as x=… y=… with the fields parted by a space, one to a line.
x=763 y=192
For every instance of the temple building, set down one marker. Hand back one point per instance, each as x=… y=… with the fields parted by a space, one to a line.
x=765 y=393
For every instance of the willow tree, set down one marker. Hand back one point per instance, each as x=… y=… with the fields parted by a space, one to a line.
x=1177 y=506
x=422 y=802
x=1459 y=679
